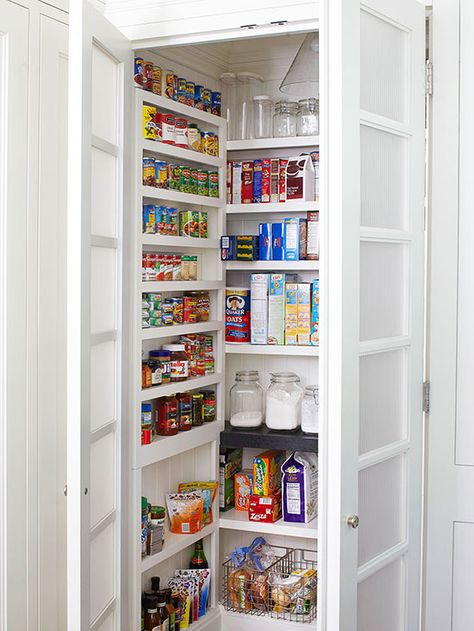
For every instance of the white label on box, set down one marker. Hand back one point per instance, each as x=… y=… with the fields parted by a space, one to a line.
x=312 y=246
x=293 y=498
x=236 y=182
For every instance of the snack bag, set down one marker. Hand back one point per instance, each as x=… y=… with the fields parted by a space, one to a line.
x=185 y=511
x=204 y=579
x=188 y=590
x=208 y=491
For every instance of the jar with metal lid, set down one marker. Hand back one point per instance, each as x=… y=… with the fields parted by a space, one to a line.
x=209 y=405
x=246 y=400
x=285 y=119
x=167 y=416
x=308 y=117
x=179 y=362
x=310 y=410
x=262 y=116
x=283 y=402
x=185 y=408
x=165 y=359
x=197 y=409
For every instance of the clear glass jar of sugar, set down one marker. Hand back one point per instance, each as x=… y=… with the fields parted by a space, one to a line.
x=246 y=400
x=310 y=410
x=283 y=402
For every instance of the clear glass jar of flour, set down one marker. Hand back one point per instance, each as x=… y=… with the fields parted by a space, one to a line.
x=246 y=400
x=283 y=402
x=310 y=410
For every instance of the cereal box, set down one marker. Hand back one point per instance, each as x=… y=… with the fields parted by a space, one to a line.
x=267 y=472
x=315 y=313
x=291 y=314
x=265 y=241
x=266 y=165
x=230 y=462
x=229 y=182
x=237 y=315
x=282 y=180
x=274 y=180
x=276 y=309
x=304 y=313
x=228 y=248
x=257 y=181
x=258 y=308
x=247 y=182
x=278 y=241
x=312 y=235
x=300 y=487
x=292 y=239
x=149 y=125
x=236 y=182
x=243 y=485
x=265 y=509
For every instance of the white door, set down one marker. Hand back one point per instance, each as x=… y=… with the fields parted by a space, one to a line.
x=98 y=197
x=373 y=113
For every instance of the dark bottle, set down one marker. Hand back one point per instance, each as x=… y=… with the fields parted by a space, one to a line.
x=152 y=617
x=155 y=584
x=199 y=561
x=171 y=610
x=163 y=613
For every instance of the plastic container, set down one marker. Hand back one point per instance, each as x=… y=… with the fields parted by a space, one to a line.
x=308 y=117
x=310 y=410
x=262 y=116
x=283 y=402
x=285 y=119
x=248 y=83
x=179 y=362
x=246 y=400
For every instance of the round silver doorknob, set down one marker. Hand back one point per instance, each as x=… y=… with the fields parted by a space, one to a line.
x=353 y=521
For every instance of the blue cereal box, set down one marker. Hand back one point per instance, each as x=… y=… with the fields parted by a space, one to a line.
x=257 y=181
x=148 y=219
x=315 y=312
x=265 y=241
x=278 y=241
x=292 y=239
x=228 y=248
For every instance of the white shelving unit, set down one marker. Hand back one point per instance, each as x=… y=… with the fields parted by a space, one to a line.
x=281 y=207
x=238 y=520
x=181 y=243
x=268 y=349
x=153 y=147
x=182 y=285
x=176 y=197
x=289 y=142
x=155 y=333
x=195 y=383
x=261 y=266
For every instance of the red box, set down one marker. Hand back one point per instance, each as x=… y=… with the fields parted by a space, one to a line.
x=283 y=165
x=274 y=180
x=247 y=182
x=266 y=180
x=265 y=509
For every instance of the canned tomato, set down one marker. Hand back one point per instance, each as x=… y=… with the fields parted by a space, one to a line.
x=168 y=125
x=190 y=85
x=181 y=132
x=213 y=184
x=203 y=182
x=206 y=97
x=168 y=84
x=149 y=172
x=148 y=75
x=216 y=103
x=161 y=173
x=193 y=184
x=209 y=143
x=138 y=72
x=185 y=180
x=174 y=177
x=198 y=97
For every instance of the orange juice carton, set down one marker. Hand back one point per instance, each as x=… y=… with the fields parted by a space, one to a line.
x=265 y=509
x=267 y=472
x=291 y=314
x=243 y=484
x=304 y=313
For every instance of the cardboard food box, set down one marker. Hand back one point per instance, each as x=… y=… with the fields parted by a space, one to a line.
x=312 y=248
x=257 y=181
x=265 y=241
x=229 y=173
x=282 y=180
x=228 y=248
x=267 y=472
x=265 y=196
x=237 y=315
x=247 y=182
x=243 y=484
x=278 y=241
x=236 y=182
x=274 y=180
x=300 y=487
x=247 y=247
x=300 y=179
x=291 y=314
x=304 y=314
x=276 y=309
x=258 y=308
x=265 y=509
x=315 y=313
x=292 y=239
x=230 y=462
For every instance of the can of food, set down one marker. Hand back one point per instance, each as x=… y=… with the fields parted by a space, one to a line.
x=161 y=173
x=206 y=97
x=185 y=180
x=149 y=173
x=174 y=177
x=203 y=182
x=198 y=97
x=203 y=224
x=216 y=103
x=182 y=92
x=157 y=77
x=190 y=86
x=194 y=137
x=168 y=125
x=194 y=181
x=158 y=126
x=149 y=122
x=237 y=315
x=213 y=184
x=148 y=75
x=208 y=143
x=197 y=410
x=168 y=84
x=181 y=132
x=138 y=71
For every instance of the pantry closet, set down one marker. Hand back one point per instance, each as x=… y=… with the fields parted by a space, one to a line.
x=369 y=360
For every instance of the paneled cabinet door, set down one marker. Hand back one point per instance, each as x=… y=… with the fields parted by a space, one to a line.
x=373 y=59
x=98 y=197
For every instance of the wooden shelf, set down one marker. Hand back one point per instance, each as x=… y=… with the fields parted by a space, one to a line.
x=169 y=446
x=283 y=207
x=164 y=194
x=180 y=108
x=238 y=520
x=275 y=266
x=273 y=143
x=263 y=438
x=179 y=153
x=270 y=349
x=181 y=285
x=164 y=240
x=195 y=383
x=156 y=333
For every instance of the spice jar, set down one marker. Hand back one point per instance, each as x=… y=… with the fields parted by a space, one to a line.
x=198 y=410
x=310 y=410
x=246 y=400
x=283 y=402
x=167 y=416
x=179 y=362
x=308 y=117
x=209 y=405
x=285 y=119
x=184 y=411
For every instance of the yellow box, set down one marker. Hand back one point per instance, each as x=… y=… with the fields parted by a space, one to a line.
x=149 y=122
x=267 y=472
x=291 y=313
x=304 y=314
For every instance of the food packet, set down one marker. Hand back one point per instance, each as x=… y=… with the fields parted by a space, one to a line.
x=203 y=577
x=209 y=491
x=185 y=511
x=295 y=593
x=260 y=555
x=188 y=590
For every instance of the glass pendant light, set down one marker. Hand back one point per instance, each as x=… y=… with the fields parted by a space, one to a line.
x=302 y=79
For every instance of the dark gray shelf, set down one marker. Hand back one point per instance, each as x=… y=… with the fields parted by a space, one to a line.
x=263 y=438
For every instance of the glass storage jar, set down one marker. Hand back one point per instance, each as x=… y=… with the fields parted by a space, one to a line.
x=308 y=117
x=262 y=116
x=247 y=86
x=285 y=119
x=310 y=410
x=246 y=400
x=283 y=402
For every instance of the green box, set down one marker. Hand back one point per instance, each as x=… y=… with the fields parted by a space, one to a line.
x=230 y=463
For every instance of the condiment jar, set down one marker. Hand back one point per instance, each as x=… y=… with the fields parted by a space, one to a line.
x=152 y=619
x=167 y=416
x=185 y=408
x=283 y=402
x=209 y=405
x=165 y=360
x=285 y=119
x=198 y=409
x=246 y=400
x=308 y=117
x=310 y=410
x=179 y=362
